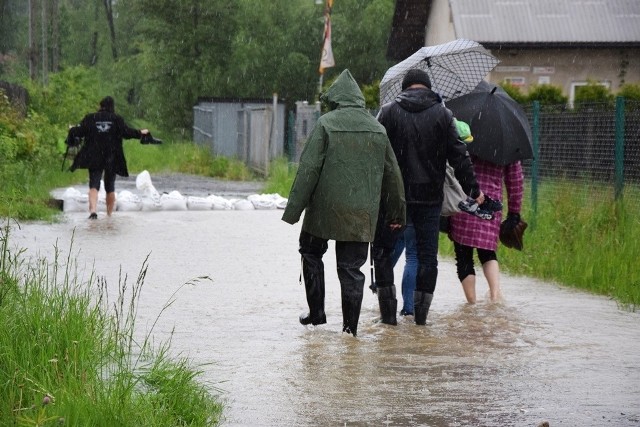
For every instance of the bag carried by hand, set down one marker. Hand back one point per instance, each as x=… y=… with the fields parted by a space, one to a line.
x=512 y=231
x=148 y=139
x=453 y=194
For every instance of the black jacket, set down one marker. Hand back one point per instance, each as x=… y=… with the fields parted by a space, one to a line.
x=424 y=137
x=103 y=132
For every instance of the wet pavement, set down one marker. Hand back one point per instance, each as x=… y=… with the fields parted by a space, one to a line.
x=547 y=353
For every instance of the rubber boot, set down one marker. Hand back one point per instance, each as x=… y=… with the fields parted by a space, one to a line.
x=351 y=304
x=313 y=273
x=421 y=303
x=388 y=304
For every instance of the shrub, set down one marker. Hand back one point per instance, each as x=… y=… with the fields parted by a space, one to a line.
x=593 y=93
x=515 y=93
x=547 y=94
x=630 y=92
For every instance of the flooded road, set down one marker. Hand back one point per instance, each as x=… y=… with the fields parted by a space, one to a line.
x=547 y=353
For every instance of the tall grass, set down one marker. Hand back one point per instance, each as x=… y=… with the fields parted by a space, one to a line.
x=69 y=356
x=281 y=176
x=587 y=242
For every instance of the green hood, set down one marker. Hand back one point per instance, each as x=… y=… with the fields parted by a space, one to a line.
x=344 y=92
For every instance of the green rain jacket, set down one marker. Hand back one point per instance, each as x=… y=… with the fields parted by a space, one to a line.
x=347 y=168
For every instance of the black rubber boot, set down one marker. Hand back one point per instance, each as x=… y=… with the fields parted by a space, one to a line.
x=313 y=273
x=351 y=304
x=421 y=303
x=306 y=319
x=388 y=304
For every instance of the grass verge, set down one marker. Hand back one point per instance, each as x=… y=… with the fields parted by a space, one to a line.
x=67 y=359
x=586 y=242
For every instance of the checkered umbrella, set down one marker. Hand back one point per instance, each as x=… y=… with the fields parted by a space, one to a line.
x=455 y=69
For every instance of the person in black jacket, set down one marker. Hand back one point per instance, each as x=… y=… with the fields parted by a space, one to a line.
x=424 y=137
x=102 y=153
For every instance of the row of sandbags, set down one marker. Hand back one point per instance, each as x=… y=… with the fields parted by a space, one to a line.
x=150 y=199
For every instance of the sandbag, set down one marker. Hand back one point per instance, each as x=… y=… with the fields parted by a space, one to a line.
x=127 y=201
x=199 y=203
x=173 y=201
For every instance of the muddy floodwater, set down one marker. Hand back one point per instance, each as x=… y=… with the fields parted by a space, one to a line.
x=546 y=354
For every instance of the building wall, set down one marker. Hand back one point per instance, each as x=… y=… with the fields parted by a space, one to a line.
x=567 y=68
x=562 y=67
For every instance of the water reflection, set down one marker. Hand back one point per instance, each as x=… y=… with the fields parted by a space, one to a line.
x=546 y=353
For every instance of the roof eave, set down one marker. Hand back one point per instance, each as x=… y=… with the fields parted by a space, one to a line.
x=558 y=45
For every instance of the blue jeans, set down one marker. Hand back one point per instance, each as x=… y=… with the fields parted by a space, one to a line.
x=426 y=222
x=407 y=243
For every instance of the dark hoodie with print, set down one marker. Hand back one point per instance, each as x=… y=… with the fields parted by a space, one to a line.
x=424 y=137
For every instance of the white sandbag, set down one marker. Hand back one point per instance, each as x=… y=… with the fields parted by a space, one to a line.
x=173 y=201
x=143 y=180
x=151 y=199
x=243 y=205
x=277 y=199
x=74 y=201
x=219 y=203
x=127 y=201
x=199 y=203
x=281 y=203
x=261 y=201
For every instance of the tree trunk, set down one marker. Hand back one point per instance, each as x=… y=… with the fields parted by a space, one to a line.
x=94 y=39
x=112 y=30
x=44 y=48
x=33 y=45
x=55 y=36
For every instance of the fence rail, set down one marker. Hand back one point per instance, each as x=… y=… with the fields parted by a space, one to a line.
x=595 y=148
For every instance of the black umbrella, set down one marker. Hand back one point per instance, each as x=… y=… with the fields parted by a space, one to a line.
x=499 y=125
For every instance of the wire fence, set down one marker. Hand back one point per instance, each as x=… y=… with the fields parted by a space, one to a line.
x=592 y=150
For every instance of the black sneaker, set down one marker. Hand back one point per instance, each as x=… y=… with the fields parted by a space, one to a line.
x=93 y=215
x=491 y=205
x=471 y=207
x=404 y=312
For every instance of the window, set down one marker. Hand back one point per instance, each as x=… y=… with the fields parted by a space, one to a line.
x=515 y=81
x=576 y=86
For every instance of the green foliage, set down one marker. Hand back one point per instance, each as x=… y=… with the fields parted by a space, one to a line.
x=171 y=53
x=69 y=96
x=281 y=176
x=547 y=94
x=68 y=359
x=588 y=245
x=593 y=93
x=630 y=92
x=514 y=92
x=360 y=30
x=372 y=95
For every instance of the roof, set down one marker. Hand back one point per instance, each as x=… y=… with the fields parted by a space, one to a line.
x=560 y=22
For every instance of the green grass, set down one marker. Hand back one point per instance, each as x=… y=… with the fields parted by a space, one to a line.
x=69 y=356
x=25 y=189
x=281 y=175
x=579 y=237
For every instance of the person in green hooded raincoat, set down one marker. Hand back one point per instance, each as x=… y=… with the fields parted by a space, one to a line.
x=347 y=169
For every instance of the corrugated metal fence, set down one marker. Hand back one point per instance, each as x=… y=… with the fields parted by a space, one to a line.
x=249 y=130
